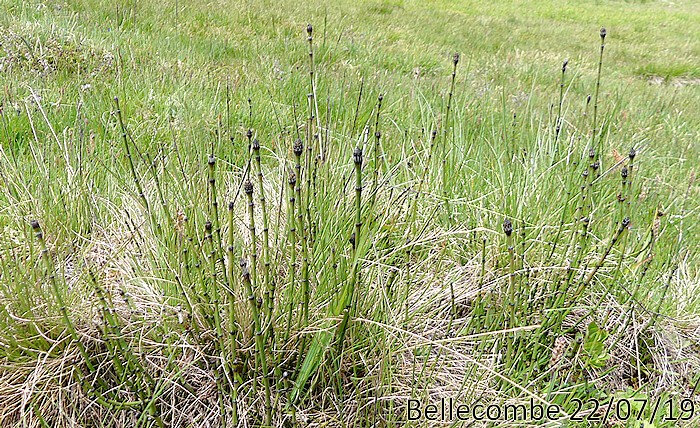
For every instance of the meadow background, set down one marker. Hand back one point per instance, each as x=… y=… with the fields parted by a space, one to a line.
x=434 y=270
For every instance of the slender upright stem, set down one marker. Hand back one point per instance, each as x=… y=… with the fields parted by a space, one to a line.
x=559 y=116
x=445 y=128
x=304 y=316
x=603 y=33
x=134 y=175
x=355 y=240
x=293 y=250
x=377 y=136
x=267 y=286
x=233 y=330
x=259 y=341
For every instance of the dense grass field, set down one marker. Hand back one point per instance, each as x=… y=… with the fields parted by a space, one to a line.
x=218 y=213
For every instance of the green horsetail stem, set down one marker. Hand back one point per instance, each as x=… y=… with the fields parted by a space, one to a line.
x=304 y=316
x=423 y=178
x=559 y=116
x=377 y=137
x=508 y=230
x=134 y=374
x=214 y=287
x=248 y=189
x=310 y=168
x=215 y=208
x=232 y=329
x=267 y=286
x=132 y=168
x=259 y=341
x=231 y=289
x=137 y=181
x=74 y=336
x=624 y=225
x=293 y=250
x=603 y=33
x=620 y=230
x=479 y=305
x=312 y=79
x=446 y=126
x=213 y=279
x=355 y=241
x=48 y=265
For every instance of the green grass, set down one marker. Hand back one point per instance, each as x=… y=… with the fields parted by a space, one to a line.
x=336 y=299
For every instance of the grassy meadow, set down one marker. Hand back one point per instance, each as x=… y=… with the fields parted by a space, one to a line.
x=218 y=213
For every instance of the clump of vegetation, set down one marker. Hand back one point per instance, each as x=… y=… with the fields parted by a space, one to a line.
x=146 y=305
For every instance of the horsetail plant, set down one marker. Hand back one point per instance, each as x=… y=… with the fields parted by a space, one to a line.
x=250 y=289
x=232 y=327
x=132 y=168
x=292 y=180
x=508 y=230
x=603 y=33
x=57 y=294
x=267 y=285
x=248 y=189
x=355 y=241
x=312 y=79
x=214 y=203
x=214 y=290
x=259 y=344
x=377 y=136
x=446 y=126
x=559 y=116
x=298 y=148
